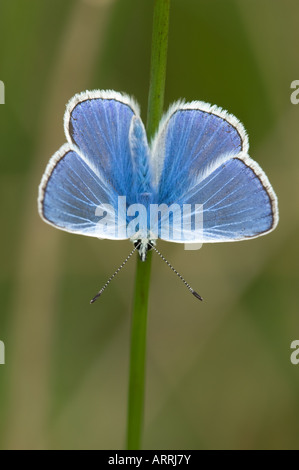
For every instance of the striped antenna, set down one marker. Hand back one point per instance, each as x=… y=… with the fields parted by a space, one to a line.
x=113 y=276
x=177 y=273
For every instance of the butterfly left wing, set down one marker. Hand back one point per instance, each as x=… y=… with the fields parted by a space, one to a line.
x=84 y=178
x=199 y=156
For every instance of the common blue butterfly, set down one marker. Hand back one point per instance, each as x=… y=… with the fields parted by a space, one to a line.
x=96 y=183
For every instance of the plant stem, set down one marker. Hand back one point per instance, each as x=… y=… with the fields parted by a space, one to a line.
x=138 y=352
x=158 y=66
x=143 y=269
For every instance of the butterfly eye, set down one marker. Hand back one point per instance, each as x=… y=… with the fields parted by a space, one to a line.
x=137 y=243
x=149 y=247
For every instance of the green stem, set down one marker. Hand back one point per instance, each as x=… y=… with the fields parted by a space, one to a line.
x=138 y=352
x=143 y=269
x=158 y=66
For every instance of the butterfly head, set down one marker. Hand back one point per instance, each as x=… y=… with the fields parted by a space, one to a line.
x=144 y=245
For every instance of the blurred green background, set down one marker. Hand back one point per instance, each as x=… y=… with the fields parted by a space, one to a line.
x=218 y=373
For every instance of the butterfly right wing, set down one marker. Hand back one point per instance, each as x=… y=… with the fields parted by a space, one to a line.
x=199 y=157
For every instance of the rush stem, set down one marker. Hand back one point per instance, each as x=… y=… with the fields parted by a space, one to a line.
x=143 y=269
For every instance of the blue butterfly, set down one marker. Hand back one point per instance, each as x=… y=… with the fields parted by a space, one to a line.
x=95 y=183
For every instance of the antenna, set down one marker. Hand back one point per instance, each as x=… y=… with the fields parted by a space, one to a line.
x=113 y=276
x=177 y=273
x=127 y=259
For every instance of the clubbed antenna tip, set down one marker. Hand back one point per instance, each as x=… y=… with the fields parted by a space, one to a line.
x=199 y=297
x=96 y=296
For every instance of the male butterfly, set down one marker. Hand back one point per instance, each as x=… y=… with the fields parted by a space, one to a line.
x=193 y=183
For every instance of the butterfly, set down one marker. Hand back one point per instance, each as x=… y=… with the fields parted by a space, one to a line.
x=195 y=174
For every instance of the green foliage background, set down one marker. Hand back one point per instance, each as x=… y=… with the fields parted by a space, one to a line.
x=219 y=373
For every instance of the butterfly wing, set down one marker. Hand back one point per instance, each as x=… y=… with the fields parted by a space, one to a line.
x=199 y=156
x=84 y=178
